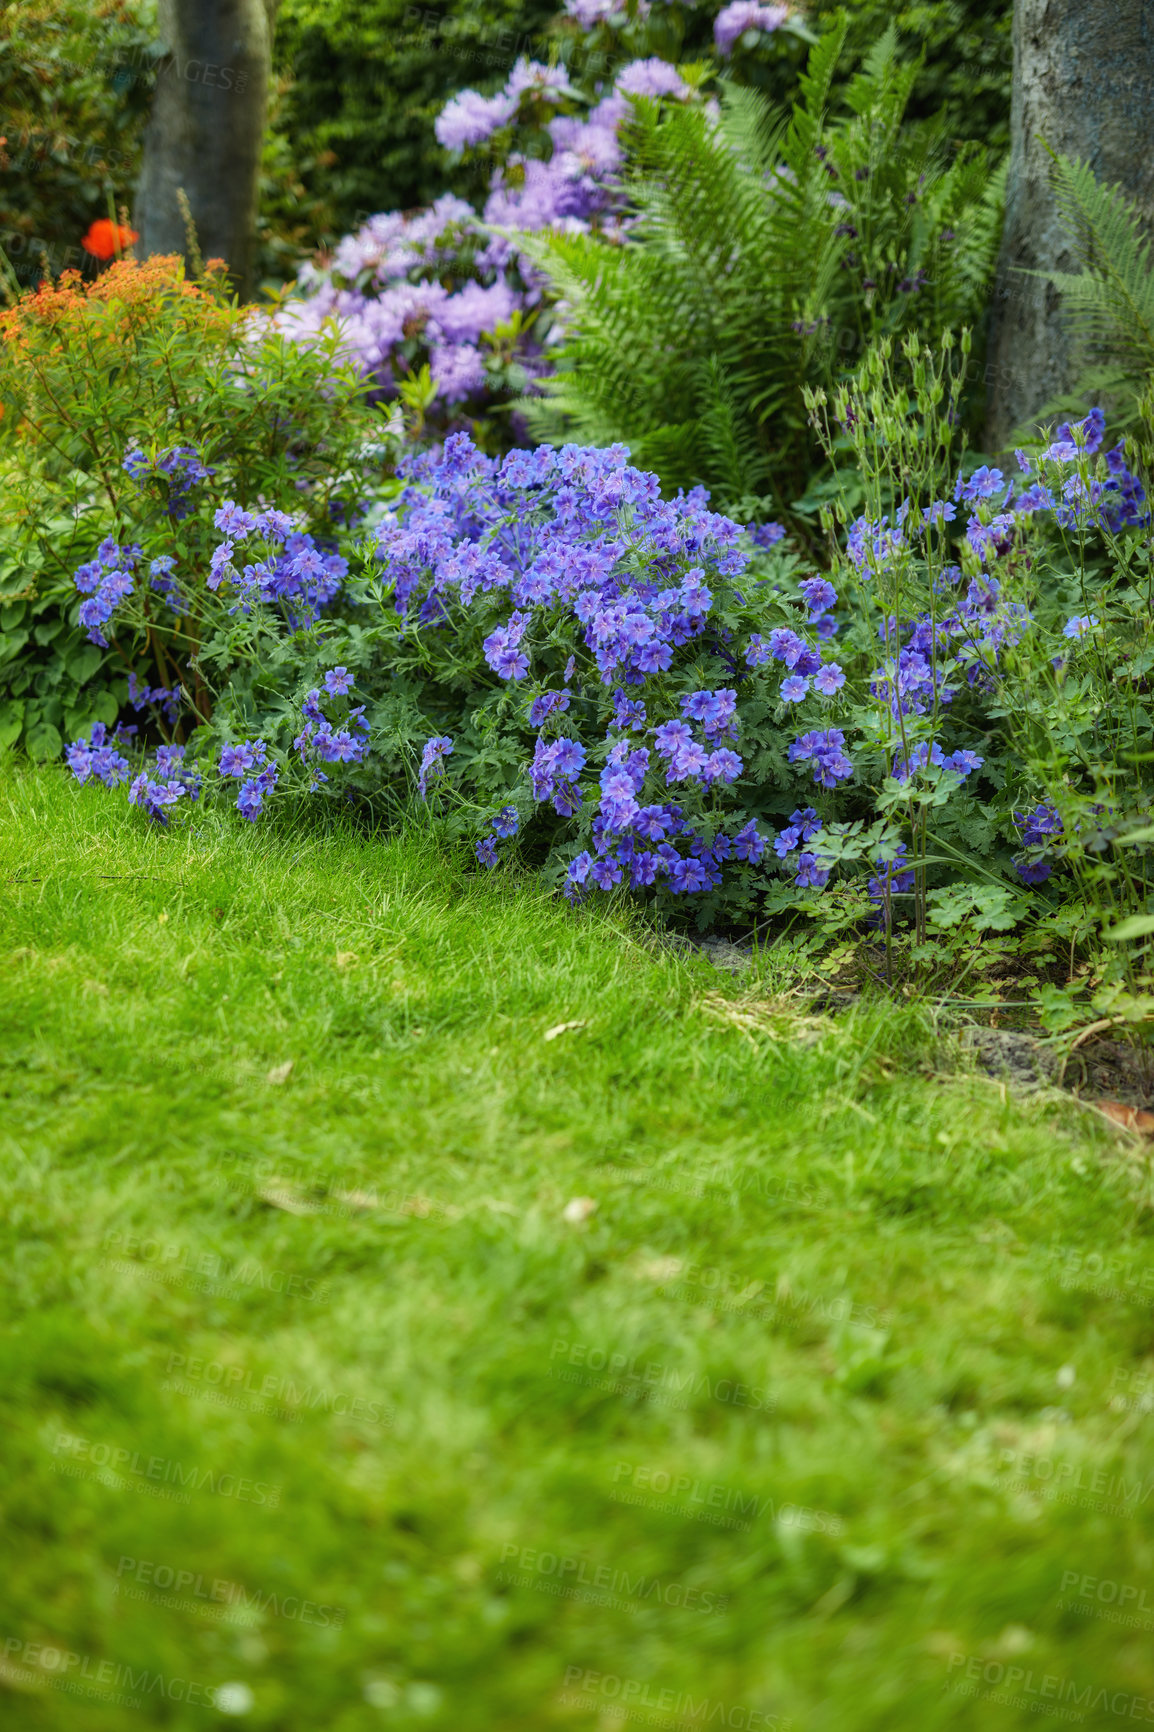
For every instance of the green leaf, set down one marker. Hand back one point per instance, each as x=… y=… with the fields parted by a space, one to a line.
x=84 y=663
x=43 y=742
x=11 y=721
x=1138 y=926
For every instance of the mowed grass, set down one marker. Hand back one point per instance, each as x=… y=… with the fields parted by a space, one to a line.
x=319 y=1413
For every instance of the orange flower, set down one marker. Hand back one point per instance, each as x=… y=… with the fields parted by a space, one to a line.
x=106 y=239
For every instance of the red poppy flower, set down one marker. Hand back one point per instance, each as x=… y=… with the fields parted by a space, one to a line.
x=106 y=239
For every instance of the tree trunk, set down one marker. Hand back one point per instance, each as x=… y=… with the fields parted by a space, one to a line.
x=205 y=132
x=1084 y=85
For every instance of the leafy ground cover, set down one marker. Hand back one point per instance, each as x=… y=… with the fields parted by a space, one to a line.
x=325 y=1410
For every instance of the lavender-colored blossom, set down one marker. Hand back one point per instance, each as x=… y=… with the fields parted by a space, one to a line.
x=819 y=594
x=652 y=78
x=470 y=118
x=824 y=750
x=742 y=15
x=811 y=875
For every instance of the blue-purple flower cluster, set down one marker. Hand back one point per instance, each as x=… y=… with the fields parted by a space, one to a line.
x=164 y=699
x=502 y=826
x=180 y=466
x=97 y=756
x=293 y=572
x=321 y=740
x=1040 y=831
x=582 y=558
x=107 y=581
x=155 y=793
x=239 y=762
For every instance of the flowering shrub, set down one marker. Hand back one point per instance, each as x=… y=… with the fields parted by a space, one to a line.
x=441 y=311
x=998 y=704
x=564 y=646
x=425 y=311
x=134 y=406
x=437 y=309
x=942 y=738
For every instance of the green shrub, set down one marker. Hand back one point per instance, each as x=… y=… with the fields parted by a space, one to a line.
x=77 y=79
x=143 y=361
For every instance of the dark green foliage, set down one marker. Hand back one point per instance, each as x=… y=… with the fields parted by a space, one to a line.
x=968 y=58
x=362 y=83
x=369 y=78
x=76 y=78
x=769 y=252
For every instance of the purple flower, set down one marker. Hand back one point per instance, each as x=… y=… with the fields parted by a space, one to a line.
x=749 y=844
x=721 y=766
x=794 y=689
x=605 y=873
x=251 y=798
x=486 y=851
x=824 y=749
x=155 y=797
x=433 y=760
x=506 y=823
x=1032 y=871
x=766 y=534
x=93 y=757
x=338 y=681
x=983 y=484
x=233 y=522
x=819 y=594
x=470 y=118
x=742 y=15
x=963 y=763
x=338 y=747
x=652 y=78
x=829 y=679
x=811 y=875
x=1079 y=625
x=548 y=704
x=239 y=760
x=1038 y=826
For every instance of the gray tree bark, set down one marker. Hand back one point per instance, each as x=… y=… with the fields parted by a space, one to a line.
x=205 y=132
x=1084 y=85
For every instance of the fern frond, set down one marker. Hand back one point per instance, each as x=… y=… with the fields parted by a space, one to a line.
x=1109 y=305
x=692 y=341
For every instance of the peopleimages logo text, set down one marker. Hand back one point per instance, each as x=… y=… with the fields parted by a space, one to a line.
x=120 y=1466
x=165 y=1580
x=650 y=1379
x=269 y=1387
x=573 y=1574
x=1033 y=1689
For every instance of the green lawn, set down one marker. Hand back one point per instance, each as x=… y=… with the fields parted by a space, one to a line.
x=832 y=1414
